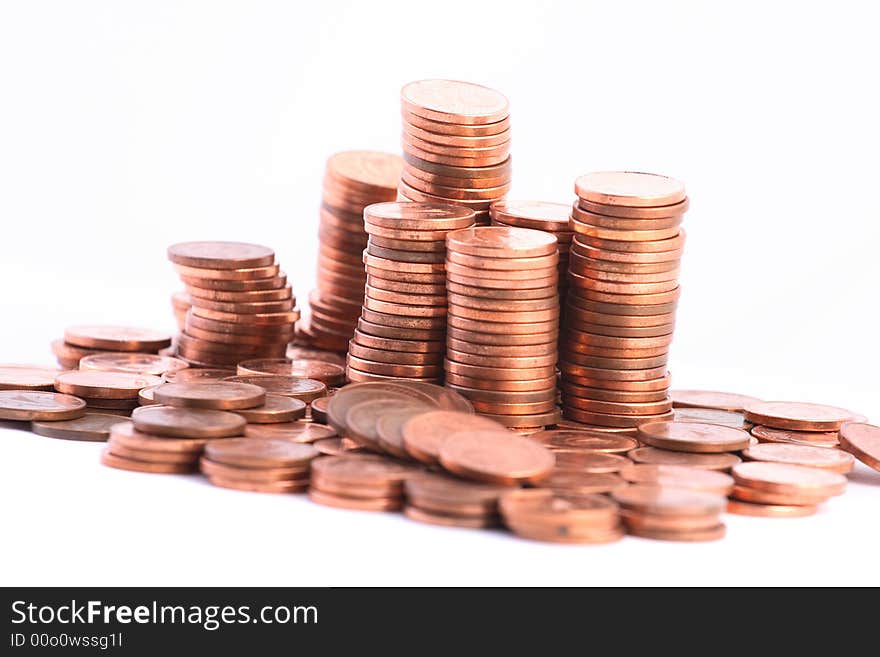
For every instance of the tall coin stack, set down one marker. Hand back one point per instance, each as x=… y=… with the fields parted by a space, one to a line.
x=503 y=323
x=456 y=145
x=402 y=327
x=622 y=296
x=352 y=181
x=242 y=306
x=539 y=215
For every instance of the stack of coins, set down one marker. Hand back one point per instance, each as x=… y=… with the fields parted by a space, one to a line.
x=114 y=393
x=167 y=440
x=456 y=145
x=562 y=517
x=797 y=423
x=242 y=306
x=503 y=323
x=766 y=488
x=539 y=215
x=81 y=341
x=364 y=482
x=352 y=181
x=439 y=499
x=671 y=514
x=403 y=321
x=258 y=465
x=622 y=295
x=181 y=302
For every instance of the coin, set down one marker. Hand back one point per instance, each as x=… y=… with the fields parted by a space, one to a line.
x=815 y=457
x=693 y=437
x=789 y=498
x=666 y=501
x=862 y=441
x=116 y=338
x=722 y=461
x=137 y=442
x=297 y=431
x=220 y=255
x=362 y=419
x=260 y=453
x=583 y=483
x=306 y=390
x=104 y=385
x=133 y=363
x=741 y=508
x=424 y=434
x=275 y=409
x=94 y=427
x=494 y=456
x=30 y=405
x=389 y=429
x=221 y=395
x=151 y=467
x=679 y=476
x=452 y=101
x=722 y=401
x=713 y=533
x=732 y=419
x=433 y=518
x=629 y=188
x=283 y=486
x=187 y=422
x=814 y=438
x=197 y=374
x=788 y=479
x=798 y=416
x=589 y=461
x=560 y=516
x=354 y=503
x=27 y=377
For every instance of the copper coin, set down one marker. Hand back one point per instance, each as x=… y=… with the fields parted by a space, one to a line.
x=499 y=264
x=664 y=501
x=119 y=404
x=501 y=242
x=815 y=457
x=367 y=470
x=521 y=422
x=133 y=363
x=27 y=377
x=282 y=331
x=490 y=277
x=275 y=282
x=452 y=101
x=362 y=419
x=261 y=319
x=693 y=437
x=643 y=213
x=243 y=274
x=479 y=281
x=414 y=345
x=453 y=190
x=446 y=520
x=760 y=496
x=252 y=296
x=298 y=474
x=741 y=508
x=540 y=215
x=599 y=251
x=453 y=128
x=297 y=352
x=378 y=283
x=463 y=154
x=588 y=461
x=418 y=216
x=515 y=328
x=651 y=525
x=494 y=360
x=116 y=338
x=246 y=307
x=294 y=486
x=788 y=479
x=152 y=467
x=93 y=427
x=629 y=188
x=389 y=429
x=70 y=355
x=298 y=432
x=732 y=419
x=104 y=385
x=353 y=394
x=568 y=439
x=497 y=316
x=489 y=373
x=516 y=385
x=585 y=216
x=799 y=416
x=655 y=456
x=564 y=533
x=546 y=349
x=449 y=494
x=583 y=483
x=220 y=255
x=406 y=299
x=221 y=395
x=862 y=440
x=393 y=370
x=355 y=503
x=119 y=448
x=648 y=385
x=187 y=422
x=679 y=476
x=368 y=172
x=198 y=374
x=274 y=410
x=810 y=438
x=616 y=408
x=714 y=533
x=502 y=339
x=619 y=396
x=722 y=401
x=260 y=453
x=328 y=373
x=425 y=433
x=401 y=333
x=526 y=299
x=336 y=446
x=547 y=507
x=494 y=456
x=433 y=313
x=125 y=434
x=306 y=390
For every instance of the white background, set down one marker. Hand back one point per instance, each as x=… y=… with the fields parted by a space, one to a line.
x=126 y=126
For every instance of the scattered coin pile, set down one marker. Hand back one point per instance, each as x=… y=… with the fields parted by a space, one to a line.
x=81 y=341
x=503 y=323
x=242 y=306
x=623 y=291
x=456 y=145
x=352 y=181
x=402 y=327
x=539 y=215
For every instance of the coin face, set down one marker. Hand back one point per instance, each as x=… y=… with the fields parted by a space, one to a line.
x=222 y=395
x=260 y=452
x=221 y=255
x=132 y=363
x=299 y=432
x=863 y=441
x=799 y=416
x=187 y=422
x=425 y=433
x=275 y=409
x=288 y=386
x=501 y=242
x=94 y=427
x=722 y=401
x=834 y=460
x=28 y=405
x=27 y=377
x=372 y=171
x=693 y=437
x=786 y=478
x=328 y=373
x=557 y=439
x=365 y=469
x=717 y=461
x=814 y=438
x=117 y=338
x=499 y=457
x=631 y=188
x=454 y=101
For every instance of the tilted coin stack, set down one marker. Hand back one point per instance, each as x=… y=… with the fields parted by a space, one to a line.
x=456 y=145
x=503 y=323
x=352 y=181
x=622 y=295
x=402 y=327
x=242 y=306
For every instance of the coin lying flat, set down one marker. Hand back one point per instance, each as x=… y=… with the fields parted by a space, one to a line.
x=132 y=363
x=104 y=385
x=27 y=377
x=117 y=338
x=556 y=439
x=221 y=395
x=275 y=409
x=220 y=255
x=679 y=476
x=328 y=373
x=722 y=401
x=813 y=438
x=306 y=390
x=693 y=437
x=94 y=427
x=799 y=416
x=834 y=460
x=188 y=422
x=299 y=432
x=30 y=405
x=499 y=457
x=788 y=479
x=260 y=453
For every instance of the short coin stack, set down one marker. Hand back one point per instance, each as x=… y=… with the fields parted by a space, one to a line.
x=456 y=145
x=111 y=392
x=402 y=327
x=622 y=295
x=82 y=341
x=562 y=517
x=258 y=465
x=242 y=306
x=503 y=323
x=671 y=514
x=797 y=423
x=167 y=440
x=439 y=499
x=352 y=181
x=364 y=482
x=539 y=215
x=766 y=488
